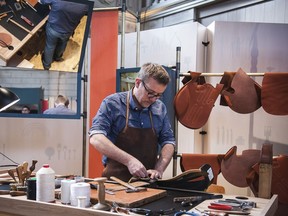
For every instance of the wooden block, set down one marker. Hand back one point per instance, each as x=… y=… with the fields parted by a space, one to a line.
x=130 y=200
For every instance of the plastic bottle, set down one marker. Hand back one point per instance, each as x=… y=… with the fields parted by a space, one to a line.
x=45 y=184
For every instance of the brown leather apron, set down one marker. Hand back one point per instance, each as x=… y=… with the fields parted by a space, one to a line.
x=141 y=143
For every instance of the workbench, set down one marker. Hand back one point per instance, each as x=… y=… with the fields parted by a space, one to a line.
x=19 y=205
x=20 y=36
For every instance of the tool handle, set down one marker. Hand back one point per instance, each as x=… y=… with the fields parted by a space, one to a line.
x=27 y=20
x=17 y=193
x=220 y=206
x=123 y=183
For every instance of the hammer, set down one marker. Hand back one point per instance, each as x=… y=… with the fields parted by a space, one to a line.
x=16 y=23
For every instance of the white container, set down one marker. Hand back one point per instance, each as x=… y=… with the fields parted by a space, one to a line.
x=65 y=190
x=45 y=184
x=80 y=190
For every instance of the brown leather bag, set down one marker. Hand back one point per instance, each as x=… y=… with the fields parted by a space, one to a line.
x=275 y=93
x=241 y=93
x=193 y=102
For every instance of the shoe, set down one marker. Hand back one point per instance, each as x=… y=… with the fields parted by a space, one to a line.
x=59 y=59
x=45 y=68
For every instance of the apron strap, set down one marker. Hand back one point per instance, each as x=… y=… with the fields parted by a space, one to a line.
x=127 y=114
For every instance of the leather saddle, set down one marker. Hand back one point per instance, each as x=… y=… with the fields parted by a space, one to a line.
x=241 y=93
x=192 y=161
x=193 y=103
x=275 y=93
x=236 y=167
x=192 y=179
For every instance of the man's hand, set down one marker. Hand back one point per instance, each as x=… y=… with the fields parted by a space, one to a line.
x=136 y=168
x=154 y=174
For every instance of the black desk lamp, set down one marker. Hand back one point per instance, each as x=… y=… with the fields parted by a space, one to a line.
x=7 y=98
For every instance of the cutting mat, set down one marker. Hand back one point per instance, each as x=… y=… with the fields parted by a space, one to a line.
x=130 y=200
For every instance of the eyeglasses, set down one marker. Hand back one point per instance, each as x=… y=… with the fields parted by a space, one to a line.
x=150 y=92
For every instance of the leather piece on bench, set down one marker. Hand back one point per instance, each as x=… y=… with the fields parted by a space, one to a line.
x=241 y=93
x=193 y=103
x=279 y=183
x=236 y=167
x=192 y=161
x=274 y=95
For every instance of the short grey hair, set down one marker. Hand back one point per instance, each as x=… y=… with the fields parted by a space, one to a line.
x=155 y=71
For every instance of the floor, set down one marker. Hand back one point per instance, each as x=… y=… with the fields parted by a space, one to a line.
x=29 y=56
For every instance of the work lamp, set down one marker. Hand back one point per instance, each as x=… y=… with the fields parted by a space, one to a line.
x=7 y=98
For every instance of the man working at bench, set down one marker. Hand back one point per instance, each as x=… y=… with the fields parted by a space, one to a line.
x=132 y=130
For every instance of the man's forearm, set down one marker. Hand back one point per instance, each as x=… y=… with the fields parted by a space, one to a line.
x=107 y=148
x=165 y=157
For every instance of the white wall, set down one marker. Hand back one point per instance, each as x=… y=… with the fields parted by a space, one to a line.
x=57 y=142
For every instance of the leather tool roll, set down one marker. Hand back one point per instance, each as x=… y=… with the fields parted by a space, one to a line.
x=241 y=93
x=275 y=93
x=193 y=102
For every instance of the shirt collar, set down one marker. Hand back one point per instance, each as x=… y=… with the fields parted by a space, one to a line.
x=133 y=103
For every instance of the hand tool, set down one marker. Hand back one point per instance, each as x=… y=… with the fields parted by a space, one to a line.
x=237 y=202
x=20 y=26
x=17 y=6
x=12 y=193
x=25 y=166
x=32 y=167
x=17 y=193
x=220 y=206
x=225 y=207
x=3 y=15
x=95 y=186
x=31 y=6
x=132 y=188
x=27 y=20
x=212 y=213
x=197 y=198
x=11 y=173
x=11 y=10
x=19 y=171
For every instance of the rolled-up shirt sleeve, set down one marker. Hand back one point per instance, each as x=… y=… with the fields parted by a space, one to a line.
x=101 y=123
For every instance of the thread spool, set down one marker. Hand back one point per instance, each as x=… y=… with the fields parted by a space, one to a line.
x=81 y=201
x=45 y=184
x=80 y=189
x=65 y=190
x=31 y=188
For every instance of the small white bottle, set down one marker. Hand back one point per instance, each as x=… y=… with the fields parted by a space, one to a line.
x=45 y=184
